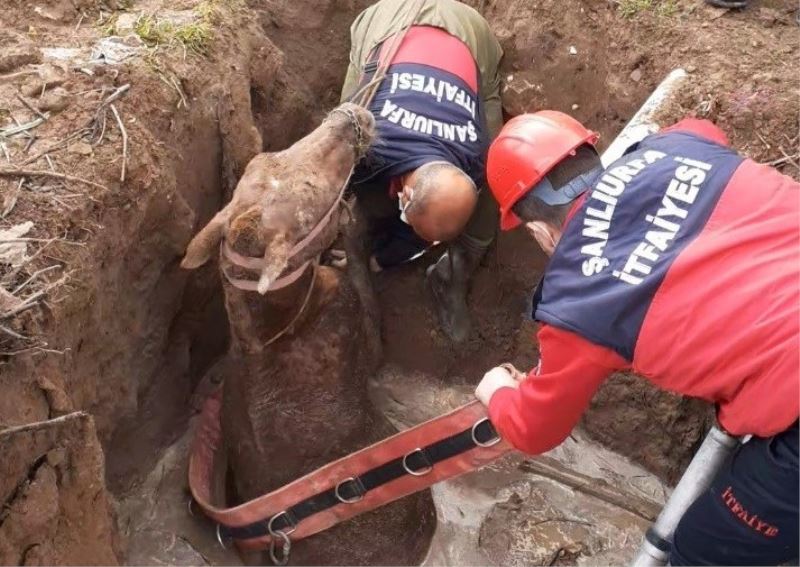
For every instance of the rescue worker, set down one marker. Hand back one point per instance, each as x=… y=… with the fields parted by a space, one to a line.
x=681 y=262
x=436 y=111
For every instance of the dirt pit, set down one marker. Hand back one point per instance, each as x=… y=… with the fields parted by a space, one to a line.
x=103 y=320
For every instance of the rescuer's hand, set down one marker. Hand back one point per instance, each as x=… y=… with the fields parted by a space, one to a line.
x=496 y=378
x=515 y=374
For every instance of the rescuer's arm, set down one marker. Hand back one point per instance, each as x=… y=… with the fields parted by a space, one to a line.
x=537 y=413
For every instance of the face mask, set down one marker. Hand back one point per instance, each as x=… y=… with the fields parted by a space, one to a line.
x=401 y=207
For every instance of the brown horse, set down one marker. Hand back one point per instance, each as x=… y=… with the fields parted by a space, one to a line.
x=295 y=392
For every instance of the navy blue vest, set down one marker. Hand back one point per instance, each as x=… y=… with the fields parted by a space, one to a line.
x=616 y=250
x=424 y=114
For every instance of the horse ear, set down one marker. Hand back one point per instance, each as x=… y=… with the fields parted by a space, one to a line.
x=206 y=241
x=276 y=259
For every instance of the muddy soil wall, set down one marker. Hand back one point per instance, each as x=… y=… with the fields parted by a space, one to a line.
x=133 y=333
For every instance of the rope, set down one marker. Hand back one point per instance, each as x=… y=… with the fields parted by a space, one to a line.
x=288 y=328
x=366 y=93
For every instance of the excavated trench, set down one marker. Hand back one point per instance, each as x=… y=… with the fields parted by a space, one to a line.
x=139 y=333
x=418 y=357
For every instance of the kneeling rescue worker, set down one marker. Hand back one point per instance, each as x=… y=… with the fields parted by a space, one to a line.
x=435 y=112
x=681 y=262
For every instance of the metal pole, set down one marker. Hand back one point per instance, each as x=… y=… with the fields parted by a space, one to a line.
x=643 y=122
x=708 y=460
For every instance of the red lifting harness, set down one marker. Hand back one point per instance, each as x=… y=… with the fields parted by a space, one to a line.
x=442 y=448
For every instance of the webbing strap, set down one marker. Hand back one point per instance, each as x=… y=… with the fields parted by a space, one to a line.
x=417 y=463
x=441 y=448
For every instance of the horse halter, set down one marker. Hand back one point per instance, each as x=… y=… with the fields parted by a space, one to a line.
x=361 y=143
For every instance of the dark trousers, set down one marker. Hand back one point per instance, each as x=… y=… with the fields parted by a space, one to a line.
x=749 y=515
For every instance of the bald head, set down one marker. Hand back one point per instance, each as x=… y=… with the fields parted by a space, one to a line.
x=442 y=200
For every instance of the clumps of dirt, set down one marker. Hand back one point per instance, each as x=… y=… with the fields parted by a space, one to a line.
x=549 y=535
x=656 y=428
x=55 y=510
x=598 y=61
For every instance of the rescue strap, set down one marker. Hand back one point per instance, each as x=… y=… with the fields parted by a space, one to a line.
x=407 y=462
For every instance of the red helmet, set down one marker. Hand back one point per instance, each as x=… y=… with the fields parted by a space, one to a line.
x=527 y=148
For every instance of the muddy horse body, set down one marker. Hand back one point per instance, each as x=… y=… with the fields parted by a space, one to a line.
x=296 y=403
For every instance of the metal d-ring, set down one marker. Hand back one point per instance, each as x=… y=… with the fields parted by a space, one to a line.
x=220 y=539
x=421 y=472
x=493 y=441
x=274 y=532
x=285 y=550
x=344 y=500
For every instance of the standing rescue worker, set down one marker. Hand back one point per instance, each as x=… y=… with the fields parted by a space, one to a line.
x=436 y=111
x=681 y=262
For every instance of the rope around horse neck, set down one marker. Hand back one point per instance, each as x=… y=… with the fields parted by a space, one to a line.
x=288 y=328
x=363 y=96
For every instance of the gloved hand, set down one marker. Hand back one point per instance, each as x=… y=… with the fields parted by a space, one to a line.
x=505 y=376
x=515 y=374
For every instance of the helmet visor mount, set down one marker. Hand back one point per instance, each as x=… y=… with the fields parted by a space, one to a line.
x=565 y=194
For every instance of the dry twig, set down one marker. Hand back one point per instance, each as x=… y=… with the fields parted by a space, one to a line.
x=793 y=159
x=46 y=240
x=55 y=146
x=33 y=276
x=124 y=142
x=11 y=200
x=14 y=76
x=43 y=115
x=550 y=468
x=78 y=25
x=33 y=299
x=12 y=172
x=13 y=130
x=14 y=334
x=558 y=554
x=13 y=273
x=114 y=96
x=31 y=141
x=29 y=302
x=35 y=350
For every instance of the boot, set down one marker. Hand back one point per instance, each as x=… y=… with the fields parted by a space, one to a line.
x=448 y=282
x=730 y=4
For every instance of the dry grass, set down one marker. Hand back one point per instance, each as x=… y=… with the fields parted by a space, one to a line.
x=195 y=36
x=631 y=8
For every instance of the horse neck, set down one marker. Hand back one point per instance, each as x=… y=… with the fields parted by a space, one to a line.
x=256 y=320
x=332 y=148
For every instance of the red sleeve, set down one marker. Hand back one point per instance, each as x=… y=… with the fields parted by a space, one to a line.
x=700 y=127
x=541 y=413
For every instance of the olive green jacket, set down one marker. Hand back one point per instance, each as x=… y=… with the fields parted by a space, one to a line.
x=385 y=18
